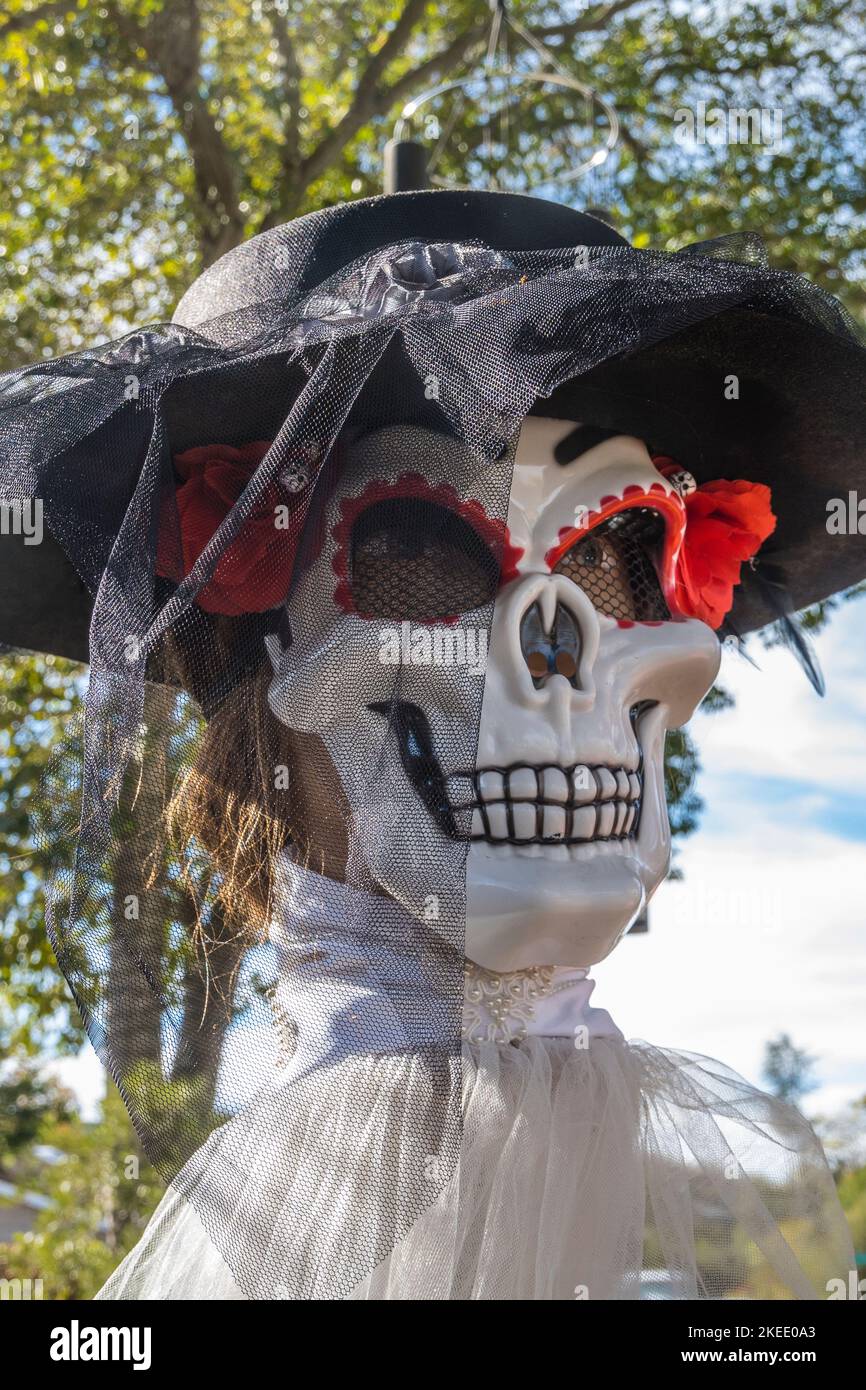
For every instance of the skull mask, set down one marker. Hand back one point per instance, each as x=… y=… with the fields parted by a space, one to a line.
x=562 y=801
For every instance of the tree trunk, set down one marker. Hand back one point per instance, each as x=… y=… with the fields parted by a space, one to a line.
x=139 y=917
x=208 y=998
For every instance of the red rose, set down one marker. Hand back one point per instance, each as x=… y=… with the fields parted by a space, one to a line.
x=726 y=524
x=253 y=573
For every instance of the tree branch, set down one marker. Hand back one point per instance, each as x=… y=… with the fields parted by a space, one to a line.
x=368 y=100
x=639 y=150
x=290 y=158
x=16 y=23
x=592 y=20
x=372 y=98
x=171 y=39
x=447 y=57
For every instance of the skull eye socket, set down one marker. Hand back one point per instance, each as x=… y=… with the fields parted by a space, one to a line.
x=415 y=559
x=615 y=566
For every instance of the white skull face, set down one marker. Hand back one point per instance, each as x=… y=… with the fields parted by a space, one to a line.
x=585 y=671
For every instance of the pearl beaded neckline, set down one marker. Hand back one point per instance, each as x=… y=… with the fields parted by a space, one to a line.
x=508 y=1007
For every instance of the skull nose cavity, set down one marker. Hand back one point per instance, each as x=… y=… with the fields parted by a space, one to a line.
x=550 y=653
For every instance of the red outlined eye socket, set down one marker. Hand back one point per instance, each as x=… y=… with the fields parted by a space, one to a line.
x=409 y=549
x=656 y=498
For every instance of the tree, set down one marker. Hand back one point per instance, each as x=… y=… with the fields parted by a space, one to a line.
x=787 y=1069
x=843 y=1136
x=99 y=1194
x=133 y=895
x=140 y=139
x=40 y=700
x=27 y=1098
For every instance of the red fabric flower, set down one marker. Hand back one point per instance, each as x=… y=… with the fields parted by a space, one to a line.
x=253 y=573
x=726 y=524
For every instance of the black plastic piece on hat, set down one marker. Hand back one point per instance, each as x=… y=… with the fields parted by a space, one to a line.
x=405 y=166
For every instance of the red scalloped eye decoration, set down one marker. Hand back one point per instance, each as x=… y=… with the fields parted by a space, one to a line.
x=491 y=530
x=710 y=535
x=708 y=538
x=661 y=500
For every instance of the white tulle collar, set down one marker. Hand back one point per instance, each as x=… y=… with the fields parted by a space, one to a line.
x=542 y=1001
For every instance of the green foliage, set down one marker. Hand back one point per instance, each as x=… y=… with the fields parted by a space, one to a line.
x=40 y=698
x=681 y=767
x=139 y=139
x=101 y=1193
x=852 y=1195
x=27 y=1099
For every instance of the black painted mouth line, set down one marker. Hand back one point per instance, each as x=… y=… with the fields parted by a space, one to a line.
x=420 y=763
x=549 y=784
x=547 y=804
x=580 y=804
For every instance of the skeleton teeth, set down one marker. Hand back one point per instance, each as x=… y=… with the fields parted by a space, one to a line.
x=523 y=784
x=583 y=787
x=548 y=805
x=605 y=819
x=524 y=820
x=490 y=786
x=553 y=825
x=555 y=784
x=583 y=824
x=498 y=819
x=607 y=784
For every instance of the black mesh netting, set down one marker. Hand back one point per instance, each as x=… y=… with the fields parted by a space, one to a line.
x=259 y=895
x=614 y=567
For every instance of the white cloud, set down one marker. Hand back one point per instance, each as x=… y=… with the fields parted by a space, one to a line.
x=767 y=933
x=781 y=727
x=86 y=1077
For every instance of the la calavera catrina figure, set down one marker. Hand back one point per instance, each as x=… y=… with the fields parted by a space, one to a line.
x=395 y=556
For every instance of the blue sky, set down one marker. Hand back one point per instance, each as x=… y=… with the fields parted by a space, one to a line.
x=767 y=931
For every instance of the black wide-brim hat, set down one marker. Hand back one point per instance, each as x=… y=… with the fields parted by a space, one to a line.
x=732 y=368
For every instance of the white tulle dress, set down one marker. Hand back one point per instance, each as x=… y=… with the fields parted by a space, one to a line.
x=591 y=1168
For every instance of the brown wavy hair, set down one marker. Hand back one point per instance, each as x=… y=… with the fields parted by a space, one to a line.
x=253 y=788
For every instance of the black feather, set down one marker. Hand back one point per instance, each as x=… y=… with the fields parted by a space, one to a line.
x=771 y=583
x=731 y=637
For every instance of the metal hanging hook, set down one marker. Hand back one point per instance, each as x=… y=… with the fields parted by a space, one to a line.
x=409 y=164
